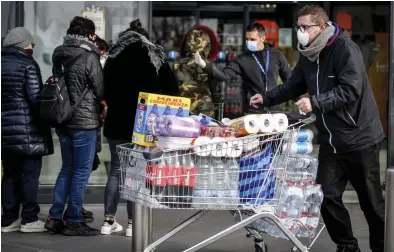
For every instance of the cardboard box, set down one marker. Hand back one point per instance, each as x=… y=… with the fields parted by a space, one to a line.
x=149 y=107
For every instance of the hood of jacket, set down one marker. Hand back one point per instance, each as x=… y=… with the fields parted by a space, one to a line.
x=128 y=37
x=73 y=46
x=200 y=38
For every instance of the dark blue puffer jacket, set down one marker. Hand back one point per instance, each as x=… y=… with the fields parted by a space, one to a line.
x=22 y=130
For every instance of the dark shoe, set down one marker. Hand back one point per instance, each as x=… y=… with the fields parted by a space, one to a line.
x=79 y=229
x=86 y=212
x=55 y=226
x=348 y=248
x=87 y=216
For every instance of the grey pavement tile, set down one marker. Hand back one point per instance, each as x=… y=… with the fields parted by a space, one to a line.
x=164 y=221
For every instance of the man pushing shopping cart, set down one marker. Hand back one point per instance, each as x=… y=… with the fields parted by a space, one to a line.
x=331 y=69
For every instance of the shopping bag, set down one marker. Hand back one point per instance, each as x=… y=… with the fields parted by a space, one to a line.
x=256 y=179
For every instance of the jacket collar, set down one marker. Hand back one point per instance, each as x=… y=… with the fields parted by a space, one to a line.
x=72 y=40
x=337 y=31
x=15 y=50
x=128 y=37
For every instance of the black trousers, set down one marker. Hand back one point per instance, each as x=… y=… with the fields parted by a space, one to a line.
x=362 y=169
x=20 y=185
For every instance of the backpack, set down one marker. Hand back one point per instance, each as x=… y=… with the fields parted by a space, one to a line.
x=54 y=104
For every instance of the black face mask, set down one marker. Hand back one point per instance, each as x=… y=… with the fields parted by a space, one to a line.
x=29 y=51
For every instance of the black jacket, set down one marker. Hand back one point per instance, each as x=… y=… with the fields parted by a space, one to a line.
x=85 y=72
x=347 y=116
x=22 y=130
x=254 y=81
x=130 y=70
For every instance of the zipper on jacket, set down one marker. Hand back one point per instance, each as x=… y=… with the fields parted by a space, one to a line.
x=322 y=115
x=351 y=118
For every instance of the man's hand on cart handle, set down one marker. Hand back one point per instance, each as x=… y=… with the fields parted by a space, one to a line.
x=255 y=100
x=199 y=61
x=304 y=105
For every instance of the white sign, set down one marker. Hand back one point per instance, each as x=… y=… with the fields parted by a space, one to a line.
x=98 y=17
x=285 y=37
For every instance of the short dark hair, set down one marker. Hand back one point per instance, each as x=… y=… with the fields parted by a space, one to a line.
x=81 y=26
x=101 y=44
x=136 y=26
x=318 y=15
x=256 y=27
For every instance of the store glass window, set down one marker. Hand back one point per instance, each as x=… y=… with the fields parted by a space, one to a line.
x=48 y=23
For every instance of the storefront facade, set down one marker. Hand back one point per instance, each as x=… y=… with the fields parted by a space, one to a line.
x=167 y=22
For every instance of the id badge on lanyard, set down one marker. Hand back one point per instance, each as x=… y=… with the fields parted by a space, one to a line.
x=265 y=72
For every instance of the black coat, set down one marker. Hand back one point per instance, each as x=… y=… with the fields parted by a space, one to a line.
x=85 y=72
x=254 y=81
x=347 y=115
x=22 y=130
x=128 y=71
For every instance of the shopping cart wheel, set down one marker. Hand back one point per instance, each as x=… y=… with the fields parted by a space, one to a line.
x=260 y=246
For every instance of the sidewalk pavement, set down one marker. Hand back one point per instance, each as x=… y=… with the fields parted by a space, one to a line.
x=164 y=221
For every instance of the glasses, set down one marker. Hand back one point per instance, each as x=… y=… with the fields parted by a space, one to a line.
x=303 y=28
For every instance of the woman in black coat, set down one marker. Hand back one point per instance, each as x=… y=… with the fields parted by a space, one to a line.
x=134 y=65
x=24 y=136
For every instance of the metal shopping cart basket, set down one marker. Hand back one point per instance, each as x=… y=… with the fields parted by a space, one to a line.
x=241 y=175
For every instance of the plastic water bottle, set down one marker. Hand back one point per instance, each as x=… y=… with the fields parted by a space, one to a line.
x=174 y=180
x=203 y=184
x=219 y=188
x=188 y=180
x=233 y=181
x=159 y=180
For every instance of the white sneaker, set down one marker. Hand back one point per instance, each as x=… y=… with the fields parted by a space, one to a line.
x=34 y=227
x=107 y=228
x=129 y=230
x=15 y=226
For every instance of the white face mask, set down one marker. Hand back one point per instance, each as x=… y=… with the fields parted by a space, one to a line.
x=303 y=37
x=252 y=45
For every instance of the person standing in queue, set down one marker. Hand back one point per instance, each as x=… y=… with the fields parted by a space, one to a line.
x=331 y=69
x=259 y=67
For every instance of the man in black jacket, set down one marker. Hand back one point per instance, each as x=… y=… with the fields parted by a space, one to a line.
x=331 y=69
x=259 y=67
x=24 y=136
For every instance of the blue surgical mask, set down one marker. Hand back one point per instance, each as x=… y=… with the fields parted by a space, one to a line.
x=252 y=45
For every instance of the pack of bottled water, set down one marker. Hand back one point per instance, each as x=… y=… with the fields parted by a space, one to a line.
x=300 y=200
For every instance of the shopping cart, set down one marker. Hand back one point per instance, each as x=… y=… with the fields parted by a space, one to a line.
x=169 y=179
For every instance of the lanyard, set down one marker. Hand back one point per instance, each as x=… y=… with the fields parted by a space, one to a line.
x=266 y=68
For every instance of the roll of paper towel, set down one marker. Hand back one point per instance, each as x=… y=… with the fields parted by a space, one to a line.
x=294 y=148
x=246 y=125
x=234 y=148
x=280 y=122
x=251 y=144
x=203 y=146
x=219 y=147
x=266 y=122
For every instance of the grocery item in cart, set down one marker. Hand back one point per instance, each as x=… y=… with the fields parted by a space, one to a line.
x=266 y=123
x=246 y=125
x=174 y=126
x=218 y=131
x=294 y=148
x=203 y=184
x=280 y=122
x=203 y=146
x=188 y=179
x=219 y=147
x=149 y=107
x=256 y=179
x=234 y=148
x=174 y=179
x=301 y=136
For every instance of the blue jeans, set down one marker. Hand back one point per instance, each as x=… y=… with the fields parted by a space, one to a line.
x=78 y=148
x=111 y=198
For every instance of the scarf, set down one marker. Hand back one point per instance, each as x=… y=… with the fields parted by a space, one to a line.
x=313 y=50
x=155 y=52
x=80 y=41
